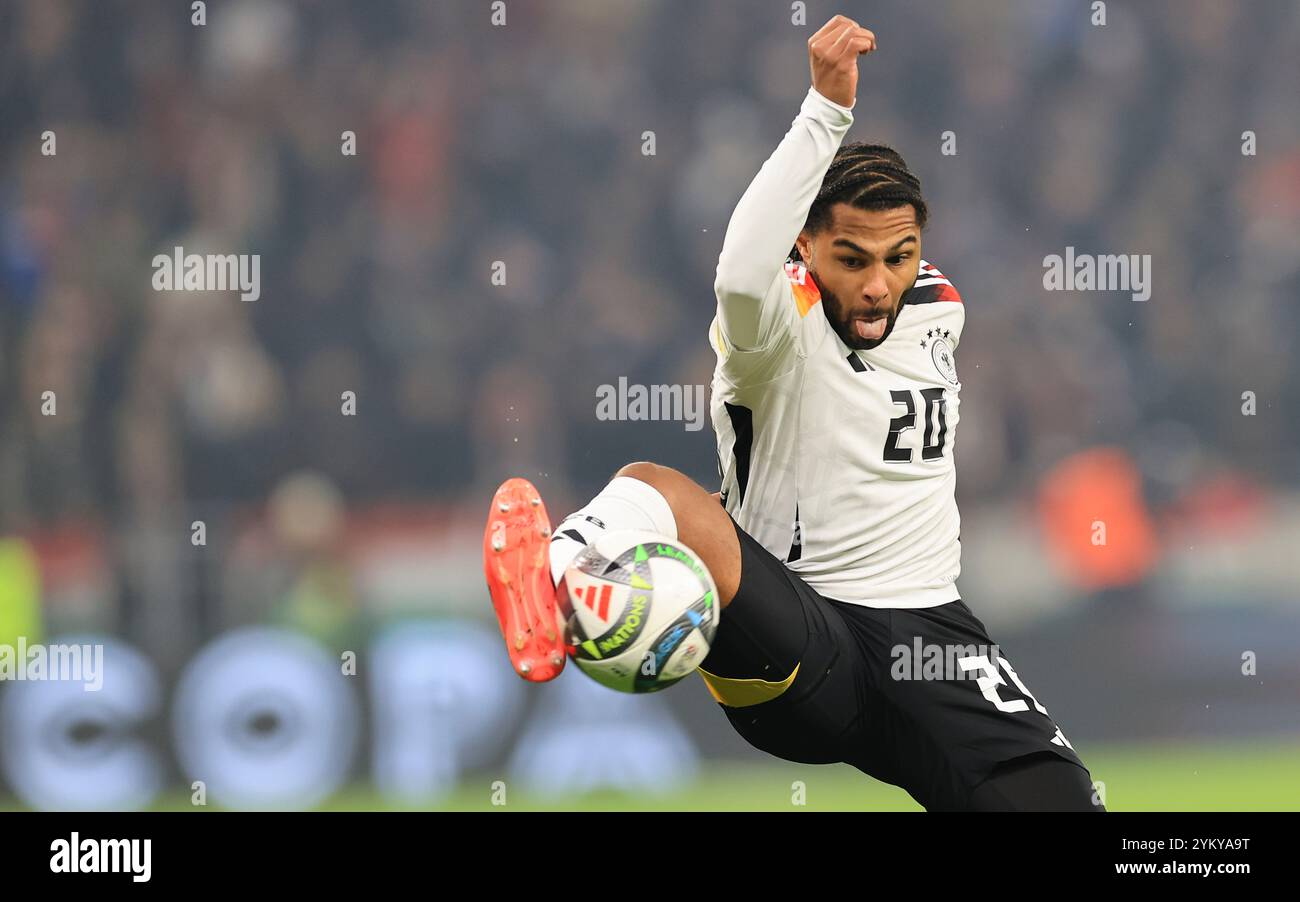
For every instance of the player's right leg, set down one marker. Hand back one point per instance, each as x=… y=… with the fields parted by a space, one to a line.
x=644 y=495
x=524 y=560
x=781 y=665
x=515 y=562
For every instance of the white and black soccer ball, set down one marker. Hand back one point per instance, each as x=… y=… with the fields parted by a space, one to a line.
x=639 y=611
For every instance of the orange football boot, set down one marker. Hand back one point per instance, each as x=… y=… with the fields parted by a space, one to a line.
x=516 y=561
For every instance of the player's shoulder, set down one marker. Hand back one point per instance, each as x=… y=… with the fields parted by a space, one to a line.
x=931 y=287
x=803 y=287
x=933 y=301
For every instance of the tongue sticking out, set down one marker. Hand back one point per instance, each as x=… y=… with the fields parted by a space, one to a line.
x=869 y=330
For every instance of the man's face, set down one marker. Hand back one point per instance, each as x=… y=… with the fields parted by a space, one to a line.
x=862 y=263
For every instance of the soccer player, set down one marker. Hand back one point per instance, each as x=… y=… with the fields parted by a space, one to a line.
x=834 y=541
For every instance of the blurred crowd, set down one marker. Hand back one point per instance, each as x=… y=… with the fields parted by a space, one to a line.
x=525 y=144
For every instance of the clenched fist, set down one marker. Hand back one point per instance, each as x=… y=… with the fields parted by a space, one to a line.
x=833 y=56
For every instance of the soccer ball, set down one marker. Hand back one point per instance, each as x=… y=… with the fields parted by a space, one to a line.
x=638 y=611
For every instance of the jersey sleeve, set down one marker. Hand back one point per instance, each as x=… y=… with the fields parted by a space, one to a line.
x=754 y=296
x=799 y=294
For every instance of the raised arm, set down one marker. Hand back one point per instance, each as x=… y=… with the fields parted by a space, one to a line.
x=772 y=211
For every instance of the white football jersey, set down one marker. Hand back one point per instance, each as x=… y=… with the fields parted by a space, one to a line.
x=838 y=462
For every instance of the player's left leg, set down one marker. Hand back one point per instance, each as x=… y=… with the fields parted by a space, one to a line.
x=1040 y=781
x=954 y=722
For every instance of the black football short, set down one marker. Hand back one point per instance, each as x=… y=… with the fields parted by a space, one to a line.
x=939 y=733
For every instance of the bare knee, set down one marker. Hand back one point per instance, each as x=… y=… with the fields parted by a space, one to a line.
x=643 y=470
x=702 y=523
x=680 y=491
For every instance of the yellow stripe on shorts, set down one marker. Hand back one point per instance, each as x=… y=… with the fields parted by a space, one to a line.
x=743 y=693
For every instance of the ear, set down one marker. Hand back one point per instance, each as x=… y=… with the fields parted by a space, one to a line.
x=804 y=245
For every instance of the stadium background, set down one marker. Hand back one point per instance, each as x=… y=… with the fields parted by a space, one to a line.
x=328 y=534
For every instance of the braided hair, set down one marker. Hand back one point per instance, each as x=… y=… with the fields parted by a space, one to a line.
x=867 y=176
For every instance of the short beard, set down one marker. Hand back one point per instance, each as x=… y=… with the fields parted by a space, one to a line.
x=834 y=311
